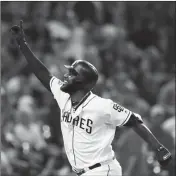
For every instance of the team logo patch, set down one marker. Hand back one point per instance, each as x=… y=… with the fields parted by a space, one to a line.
x=118 y=107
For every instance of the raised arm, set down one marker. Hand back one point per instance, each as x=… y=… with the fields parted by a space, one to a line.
x=38 y=68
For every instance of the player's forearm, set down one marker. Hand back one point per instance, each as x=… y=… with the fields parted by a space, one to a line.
x=36 y=66
x=142 y=130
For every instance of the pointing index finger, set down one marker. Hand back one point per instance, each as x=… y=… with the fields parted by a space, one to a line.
x=21 y=27
x=21 y=24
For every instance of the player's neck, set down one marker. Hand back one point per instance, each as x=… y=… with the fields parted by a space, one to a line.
x=78 y=96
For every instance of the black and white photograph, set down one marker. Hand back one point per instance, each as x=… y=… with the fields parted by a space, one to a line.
x=88 y=88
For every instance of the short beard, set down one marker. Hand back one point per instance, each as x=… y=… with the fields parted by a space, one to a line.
x=70 y=89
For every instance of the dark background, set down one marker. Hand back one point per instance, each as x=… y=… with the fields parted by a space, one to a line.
x=132 y=46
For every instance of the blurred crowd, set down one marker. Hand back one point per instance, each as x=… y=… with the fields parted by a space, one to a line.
x=132 y=46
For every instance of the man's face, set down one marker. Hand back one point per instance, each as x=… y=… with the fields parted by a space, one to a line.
x=73 y=81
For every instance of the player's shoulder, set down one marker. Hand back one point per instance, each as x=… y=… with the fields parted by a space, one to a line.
x=102 y=104
x=99 y=99
x=55 y=81
x=55 y=86
x=107 y=105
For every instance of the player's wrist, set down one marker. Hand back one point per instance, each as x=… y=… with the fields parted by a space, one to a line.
x=157 y=147
x=22 y=42
x=160 y=148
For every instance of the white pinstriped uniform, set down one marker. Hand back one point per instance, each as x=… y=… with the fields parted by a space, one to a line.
x=89 y=131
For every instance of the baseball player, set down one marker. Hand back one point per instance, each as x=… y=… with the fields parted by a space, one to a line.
x=88 y=122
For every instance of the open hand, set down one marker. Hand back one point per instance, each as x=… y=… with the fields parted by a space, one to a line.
x=18 y=33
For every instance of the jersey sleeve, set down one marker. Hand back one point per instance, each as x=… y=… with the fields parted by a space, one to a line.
x=119 y=115
x=59 y=95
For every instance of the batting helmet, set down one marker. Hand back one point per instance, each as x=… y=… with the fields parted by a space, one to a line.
x=86 y=69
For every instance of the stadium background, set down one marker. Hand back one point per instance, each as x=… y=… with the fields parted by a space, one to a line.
x=131 y=44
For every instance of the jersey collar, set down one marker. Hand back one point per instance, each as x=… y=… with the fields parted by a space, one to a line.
x=83 y=100
x=88 y=99
x=82 y=104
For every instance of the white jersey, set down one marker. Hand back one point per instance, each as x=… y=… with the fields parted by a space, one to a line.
x=89 y=131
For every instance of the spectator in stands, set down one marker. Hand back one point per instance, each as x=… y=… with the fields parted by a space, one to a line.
x=166 y=97
x=133 y=67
